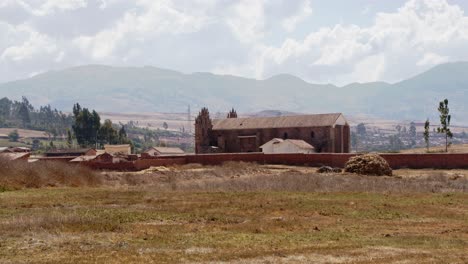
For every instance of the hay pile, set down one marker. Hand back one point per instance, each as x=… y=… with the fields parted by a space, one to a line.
x=368 y=164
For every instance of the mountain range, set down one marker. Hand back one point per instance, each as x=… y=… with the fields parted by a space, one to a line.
x=150 y=89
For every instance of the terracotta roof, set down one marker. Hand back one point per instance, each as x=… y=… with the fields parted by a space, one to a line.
x=69 y=151
x=320 y=120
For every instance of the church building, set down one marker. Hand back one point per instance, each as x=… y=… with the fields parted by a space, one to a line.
x=327 y=133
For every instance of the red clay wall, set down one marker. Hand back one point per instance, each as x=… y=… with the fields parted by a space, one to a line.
x=123 y=166
x=396 y=161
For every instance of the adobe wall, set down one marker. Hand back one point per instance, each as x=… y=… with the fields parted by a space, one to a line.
x=122 y=166
x=420 y=161
x=396 y=161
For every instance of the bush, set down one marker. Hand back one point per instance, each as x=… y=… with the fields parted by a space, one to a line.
x=368 y=164
x=13 y=136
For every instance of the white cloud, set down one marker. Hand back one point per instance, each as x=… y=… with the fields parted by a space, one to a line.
x=247 y=20
x=431 y=59
x=250 y=38
x=47 y=7
x=157 y=18
x=31 y=44
x=290 y=23
x=420 y=34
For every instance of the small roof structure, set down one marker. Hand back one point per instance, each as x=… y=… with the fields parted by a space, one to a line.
x=20 y=149
x=15 y=156
x=4 y=149
x=14 y=149
x=93 y=157
x=278 y=145
x=83 y=158
x=70 y=152
x=122 y=149
x=161 y=151
x=320 y=120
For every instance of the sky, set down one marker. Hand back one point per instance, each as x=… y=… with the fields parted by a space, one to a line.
x=330 y=41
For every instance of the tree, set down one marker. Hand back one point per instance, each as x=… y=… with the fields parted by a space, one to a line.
x=445 y=118
x=361 y=129
x=108 y=134
x=427 y=132
x=123 y=135
x=51 y=145
x=69 y=139
x=13 y=136
x=86 y=126
x=165 y=126
x=412 y=130
x=354 y=141
x=36 y=144
x=398 y=128
x=395 y=143
x=5 y=110
x=24 y=112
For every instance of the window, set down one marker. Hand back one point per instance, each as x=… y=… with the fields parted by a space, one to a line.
x=312 y=134
x=285 y=135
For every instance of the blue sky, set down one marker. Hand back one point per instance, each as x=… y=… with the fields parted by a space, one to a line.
x=329 y=41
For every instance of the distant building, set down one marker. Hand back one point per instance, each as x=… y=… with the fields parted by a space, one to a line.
x=70 y=152
x=104 y=157
x=125 y=149
x=278 y=145
x=14 y=156
x=325 y=132
x=164 y=151
x=14 y=150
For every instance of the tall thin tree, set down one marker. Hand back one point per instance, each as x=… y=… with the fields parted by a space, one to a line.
x=427 y=132
x=445 y=118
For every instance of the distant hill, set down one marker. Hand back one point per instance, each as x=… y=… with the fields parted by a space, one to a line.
x=150 y=89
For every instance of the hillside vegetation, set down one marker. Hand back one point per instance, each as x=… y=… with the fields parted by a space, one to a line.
x=150 y=89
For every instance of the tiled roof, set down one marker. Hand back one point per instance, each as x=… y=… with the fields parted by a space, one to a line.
x=320 y=120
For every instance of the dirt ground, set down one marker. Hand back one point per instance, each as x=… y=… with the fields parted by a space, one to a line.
x=241 y=213
x=234 y=176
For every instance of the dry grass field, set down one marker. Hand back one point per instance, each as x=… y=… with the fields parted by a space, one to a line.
x=236 y=213
x=458 y=148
